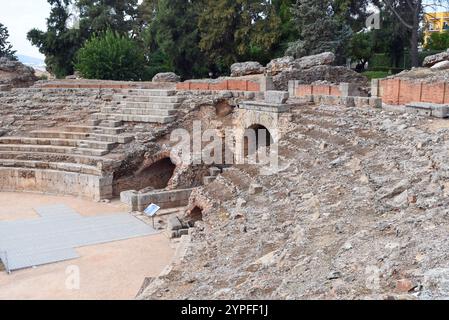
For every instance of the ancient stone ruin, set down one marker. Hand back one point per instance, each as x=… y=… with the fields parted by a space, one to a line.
x=358 y=186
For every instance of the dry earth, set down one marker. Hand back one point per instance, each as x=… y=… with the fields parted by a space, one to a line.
x=109 y=271
x=358 y=210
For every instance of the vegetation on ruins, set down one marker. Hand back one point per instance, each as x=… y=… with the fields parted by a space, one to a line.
x=199 y=38
x=6 y=50
x=111 y=57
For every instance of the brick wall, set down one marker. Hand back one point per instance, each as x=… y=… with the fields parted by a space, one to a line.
x=325 y=90
x=232 y=85
x=85 y=86
x=400 y=92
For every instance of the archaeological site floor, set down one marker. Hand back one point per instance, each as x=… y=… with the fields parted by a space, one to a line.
x=114 y=270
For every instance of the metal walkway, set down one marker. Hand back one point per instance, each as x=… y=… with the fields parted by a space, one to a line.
x=54 y=236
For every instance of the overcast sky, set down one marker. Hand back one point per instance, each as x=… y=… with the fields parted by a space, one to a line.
x=20 y=16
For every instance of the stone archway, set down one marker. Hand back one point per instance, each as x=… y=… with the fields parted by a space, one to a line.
x=256 y=137
x=158 y=175
x=253 y=121
x=155 y=173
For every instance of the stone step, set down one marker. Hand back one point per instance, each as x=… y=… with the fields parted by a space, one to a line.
x=149 y=106
x=44 y=165
x=110 y=123
x=57 y=157
x=93 y=122
x=97 y=130
x=52 y=149
x=122 y=139
x=214 y=171
x=208 y=180
x=88 y=144
x=138 y=118
x=148 y=99
x=149 y=92
x=144 y=112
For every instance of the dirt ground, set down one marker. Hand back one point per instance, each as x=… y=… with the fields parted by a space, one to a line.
x=109 y=271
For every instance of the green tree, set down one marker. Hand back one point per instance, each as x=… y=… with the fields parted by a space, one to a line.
x=237 y=30
x=361 y=48
x=6 y=50
x=111 y=56
x=101 y=15
x=288 y=31
x=173 y=34
x=320 y=29
x=438 y=41
x=59 y=43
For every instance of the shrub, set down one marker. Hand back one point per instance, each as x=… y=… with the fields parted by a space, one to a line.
x=438 y=41
x=111 y=57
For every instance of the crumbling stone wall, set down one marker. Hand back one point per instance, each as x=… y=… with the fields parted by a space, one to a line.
x=14 y=74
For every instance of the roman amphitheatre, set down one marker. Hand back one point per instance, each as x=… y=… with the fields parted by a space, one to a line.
x=356 y=207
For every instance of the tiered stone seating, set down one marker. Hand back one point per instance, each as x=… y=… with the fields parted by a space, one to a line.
x=71 y=160
x=141 y=105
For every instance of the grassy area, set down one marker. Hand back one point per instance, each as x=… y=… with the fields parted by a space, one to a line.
x=376 y=74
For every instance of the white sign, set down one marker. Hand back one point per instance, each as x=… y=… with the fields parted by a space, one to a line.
x=152 y=210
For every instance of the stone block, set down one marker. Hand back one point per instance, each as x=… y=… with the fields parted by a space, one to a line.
x=440 y=111
x=174 y=224
x=214 y=171
x=349 y=89
x=375 y=102
x=266 y=84
x=255 y=189
x=375 y=84
x=276 y=97
x=208 y=180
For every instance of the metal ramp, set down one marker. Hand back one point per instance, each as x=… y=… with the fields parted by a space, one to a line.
x=58 y=232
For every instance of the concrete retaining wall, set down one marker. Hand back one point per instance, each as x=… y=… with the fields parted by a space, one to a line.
x=55 y=182
x=164 y=199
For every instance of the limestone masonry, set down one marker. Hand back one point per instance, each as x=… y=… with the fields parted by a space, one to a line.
x=360 y=186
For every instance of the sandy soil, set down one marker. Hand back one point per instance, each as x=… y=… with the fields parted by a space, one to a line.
x=109 y=271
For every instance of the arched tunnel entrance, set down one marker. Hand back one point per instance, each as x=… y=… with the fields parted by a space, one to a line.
x=196 y=214
x=158 y=175
x=153 y=177
x=257 y=136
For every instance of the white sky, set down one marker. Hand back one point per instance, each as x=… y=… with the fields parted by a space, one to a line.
x=20 y=16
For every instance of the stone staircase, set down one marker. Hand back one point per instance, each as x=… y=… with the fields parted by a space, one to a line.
x=141 y=105
x=72 y=160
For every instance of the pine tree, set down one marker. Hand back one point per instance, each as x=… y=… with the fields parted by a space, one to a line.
x=238 y=30
x=59 y=43
x=320 y=29
x=98 y=16
x=173 y=34
x=6 y=50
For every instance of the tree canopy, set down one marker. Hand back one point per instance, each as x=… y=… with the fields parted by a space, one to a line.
x=6 y=50
x=196 y=37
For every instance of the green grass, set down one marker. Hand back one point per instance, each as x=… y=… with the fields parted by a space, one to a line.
x=376 y=74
